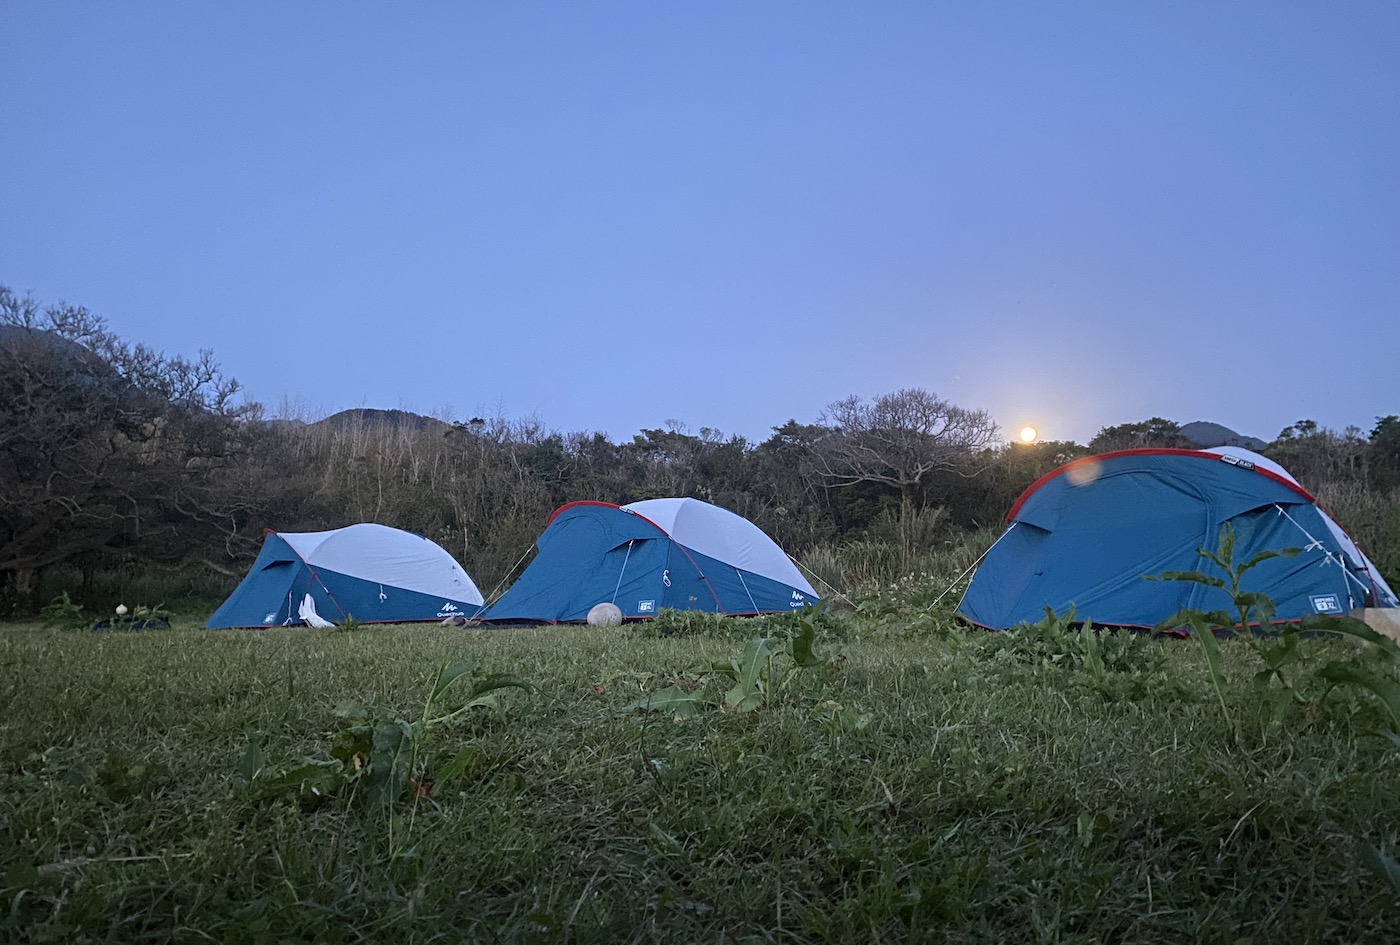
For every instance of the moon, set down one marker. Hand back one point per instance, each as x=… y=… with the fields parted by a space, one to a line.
x=1028 y=434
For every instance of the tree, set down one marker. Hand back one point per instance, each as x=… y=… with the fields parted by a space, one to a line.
x=107 y=450
x=1318 y=456
x=898 y=440
x=1151 y=433
x=665 y=462
x=1012 y=468
x=785 y=496
x=1384 y=451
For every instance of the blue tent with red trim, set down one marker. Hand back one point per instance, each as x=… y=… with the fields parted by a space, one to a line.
x=682 y=554
x=1084 y=537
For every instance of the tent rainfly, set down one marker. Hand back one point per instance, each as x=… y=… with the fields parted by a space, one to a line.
x=1087 y=534
x=681 y=554
x=373 y=573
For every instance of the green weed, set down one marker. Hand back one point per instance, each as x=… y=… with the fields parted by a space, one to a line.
x=669 y=622
x=757 y=677
x=958 y=786
x=377 y=761
x=61 y=612
x=1284 y=659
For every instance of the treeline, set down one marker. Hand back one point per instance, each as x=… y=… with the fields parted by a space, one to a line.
x=113 y=456
x=485 y=489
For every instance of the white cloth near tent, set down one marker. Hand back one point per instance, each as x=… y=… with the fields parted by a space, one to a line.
x=307 y=612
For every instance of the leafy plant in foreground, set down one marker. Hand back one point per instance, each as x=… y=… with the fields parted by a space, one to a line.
x=1068 y=650
x=762 y=671
x=677 y=623
x=378 y=761
x=61 y=612
x=1281 y=656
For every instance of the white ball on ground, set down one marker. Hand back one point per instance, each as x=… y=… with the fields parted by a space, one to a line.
x=121 y=610
x=604 y=615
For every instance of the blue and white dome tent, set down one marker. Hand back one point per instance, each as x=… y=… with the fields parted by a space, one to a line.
x=373 y=573
x=681 y=554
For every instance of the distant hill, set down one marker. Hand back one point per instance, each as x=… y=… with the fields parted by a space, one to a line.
x=365 y=417
x=372 y=416
x=1204 y=434
x=52 y=342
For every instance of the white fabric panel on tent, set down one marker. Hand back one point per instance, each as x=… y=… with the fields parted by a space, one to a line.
x=1249 y=456
x=386 y=555
x=723 y=535
x=1357 y=556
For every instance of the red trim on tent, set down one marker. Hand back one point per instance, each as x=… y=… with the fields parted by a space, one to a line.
x=1101 y=457
x=608 y=505
x=569 y=505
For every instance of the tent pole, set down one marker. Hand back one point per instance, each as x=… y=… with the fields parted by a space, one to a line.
x=752 y=603
x=625 y=558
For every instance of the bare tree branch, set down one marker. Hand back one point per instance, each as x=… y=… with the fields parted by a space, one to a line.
x=108 y=450
x=898 y=439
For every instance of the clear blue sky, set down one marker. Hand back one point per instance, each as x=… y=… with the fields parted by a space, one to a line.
x=610 y=215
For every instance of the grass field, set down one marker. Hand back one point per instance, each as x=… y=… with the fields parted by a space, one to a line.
x=916 y=782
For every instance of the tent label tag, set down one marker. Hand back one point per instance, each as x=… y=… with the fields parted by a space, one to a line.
x=1236 y=461
x=646 y=606
x=1326 y=604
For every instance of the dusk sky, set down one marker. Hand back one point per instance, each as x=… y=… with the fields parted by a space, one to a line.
x=612 y=215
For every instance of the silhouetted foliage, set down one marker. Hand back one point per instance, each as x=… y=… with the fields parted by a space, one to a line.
x=1316 y=454
x=1153 y=432
x=114 y=456
x=1384 y=452
x=899 y=440
x=108 y=452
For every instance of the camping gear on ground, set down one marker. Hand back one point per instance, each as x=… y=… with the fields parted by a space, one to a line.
x=157 y=622
x=1085 y=536
x=373 y=573
x=682 y=554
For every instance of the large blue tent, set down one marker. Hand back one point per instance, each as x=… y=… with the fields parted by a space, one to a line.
x=681 y=554
x=1085 y=536
x=373 y=573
